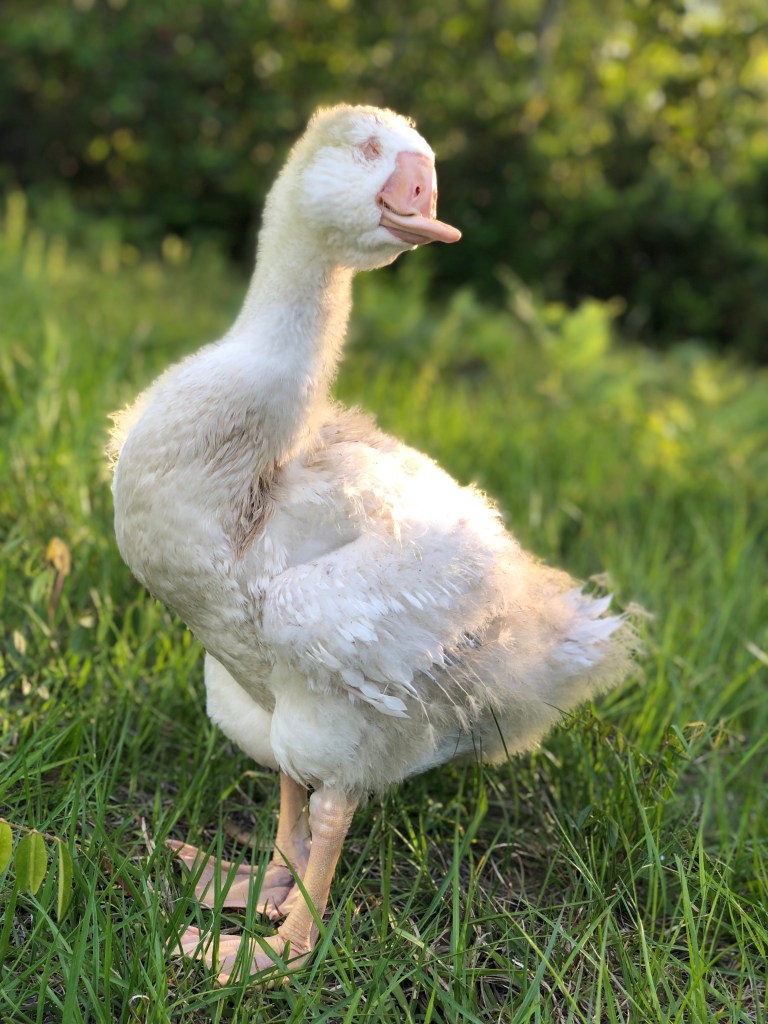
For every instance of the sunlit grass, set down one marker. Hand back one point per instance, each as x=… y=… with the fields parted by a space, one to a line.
x=617 y=874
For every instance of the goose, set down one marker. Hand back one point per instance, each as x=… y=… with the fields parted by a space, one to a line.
x=364 y=616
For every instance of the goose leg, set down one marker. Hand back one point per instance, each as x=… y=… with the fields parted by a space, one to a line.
x=278 y=882
x=292 y=848
x=330 y=814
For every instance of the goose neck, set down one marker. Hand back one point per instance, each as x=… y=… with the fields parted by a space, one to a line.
x=290 y=331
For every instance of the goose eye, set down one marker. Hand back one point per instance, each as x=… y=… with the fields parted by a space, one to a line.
x=371 y=149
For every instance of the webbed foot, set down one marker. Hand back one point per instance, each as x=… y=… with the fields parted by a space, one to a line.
x=235 y=882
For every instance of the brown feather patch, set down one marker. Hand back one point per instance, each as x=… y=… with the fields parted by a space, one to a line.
x=252 y=513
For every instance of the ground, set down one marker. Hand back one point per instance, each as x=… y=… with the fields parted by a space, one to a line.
x=617 y=874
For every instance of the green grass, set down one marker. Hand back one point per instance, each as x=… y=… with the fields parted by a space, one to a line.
x=617 y=874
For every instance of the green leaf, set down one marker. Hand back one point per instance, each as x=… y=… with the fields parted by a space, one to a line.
x=6 y=844
x=64 y=879
x=31 y=862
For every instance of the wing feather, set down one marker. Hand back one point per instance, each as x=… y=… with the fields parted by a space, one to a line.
x=377 y=613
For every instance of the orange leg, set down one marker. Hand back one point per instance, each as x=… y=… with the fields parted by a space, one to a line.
x=330 y=814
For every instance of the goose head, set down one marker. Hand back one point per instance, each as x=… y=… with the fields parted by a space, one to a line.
x=361 y=188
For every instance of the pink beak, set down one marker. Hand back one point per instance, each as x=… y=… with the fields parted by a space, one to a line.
x=408 y=203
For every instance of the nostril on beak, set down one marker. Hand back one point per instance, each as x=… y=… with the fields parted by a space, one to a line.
x=411 y=190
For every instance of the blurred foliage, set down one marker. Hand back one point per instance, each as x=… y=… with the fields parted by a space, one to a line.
x=618 y=149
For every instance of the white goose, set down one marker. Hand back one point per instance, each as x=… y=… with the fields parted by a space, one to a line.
x=365 y=617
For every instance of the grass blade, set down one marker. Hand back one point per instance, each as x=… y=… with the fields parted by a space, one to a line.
x=64 y=877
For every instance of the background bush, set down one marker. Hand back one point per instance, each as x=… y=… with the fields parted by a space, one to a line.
x=618 y=149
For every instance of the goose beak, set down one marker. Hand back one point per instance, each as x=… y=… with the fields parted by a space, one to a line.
x=408 y=203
